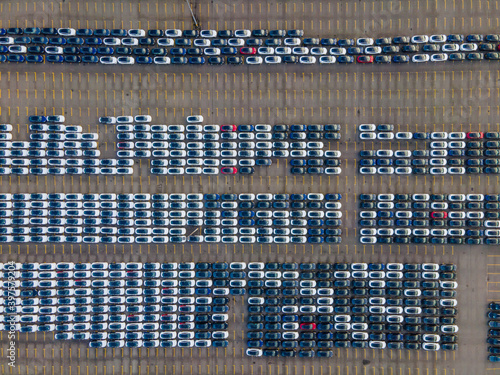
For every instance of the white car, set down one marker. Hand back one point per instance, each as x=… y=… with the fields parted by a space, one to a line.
x=300 y=50
x=242 y=33
x=108 y=60
x=419 y=39
x=124 y=119
x=17 y=49
x=385 y=135
x=265 y=51
x=419 y=58
x=384 y=153
x=438 y=38
x=368 y=240
x=201 y=43
x=327 y=59
x=126 y=60
x=142 y=118
x=236 y=42
x=403 y=170
x=130 y=41
x=292 y=42
x=438 y=170
x=66 y=31
x=450 y=47
x=364 y=42
x=456 y=135
x=368 y=170
x=319 y=51
x=54 y=50
x=430 y=346
x=254 y=60
x=111 y=41
x=251 y=352
x=195 y=119
x=6 y=40
x=439 y=135
x=137 y=33
x=212 y=51
x=438 y=57
x=367 y=127
x=456 y=144
x=161 y=60
x=367 y=135
x=283 y=50
x=404 y=135
x=449 y=329
x=307 y=60
x=456 y=170
x=337 y=51
x=468 y=47
x=402 y=153
x=208 y=33
x=173 y=33
x=272 y=60
x=373 y=50
x=166 y=42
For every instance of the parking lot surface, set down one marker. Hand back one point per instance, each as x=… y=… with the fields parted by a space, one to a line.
x=437 y=97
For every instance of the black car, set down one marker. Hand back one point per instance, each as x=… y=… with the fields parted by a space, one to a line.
x=410 y=48
x=254 y=42
x=179 y=60
x=183 y=42
x=146 y=42
x=225 y=33
x=290 y=59
x=400 y=59
x=90 y=59
x=216 y=60
x=229 y=51
x=105 y=51
x=234 y=60
x=31 y=30
x=15 y=31
x=48 y=31
x=155 y=33
x=118 y=33
x=328 y=42
x=190 y=33
x=140 y=51
x=381 y=59
x=259 y=33
x=72 y=59
x=35 y=49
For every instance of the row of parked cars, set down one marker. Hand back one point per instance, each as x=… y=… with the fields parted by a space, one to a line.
x=121 y=304
x=186 y=304
x=471 y=219
x=56 y=149
x=227 y=149
x=493 y=333
x=310 y=309
x=254 y=47
x=447 y=153
x=174 y=218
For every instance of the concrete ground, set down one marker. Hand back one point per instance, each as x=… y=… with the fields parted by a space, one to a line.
x=427 y=97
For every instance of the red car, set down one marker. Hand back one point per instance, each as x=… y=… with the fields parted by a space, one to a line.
x=475 y=135
x=248 y=50
x=308 y=326
x=365 y=59
x=228 y=128
x=439 y=215
x=229 y=170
